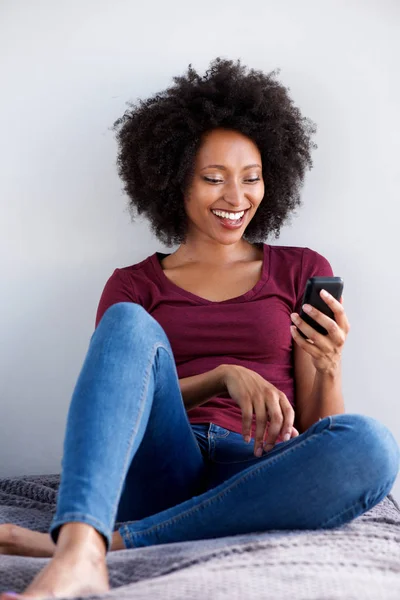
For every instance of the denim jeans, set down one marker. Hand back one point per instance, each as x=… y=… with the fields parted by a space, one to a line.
x=131 y=455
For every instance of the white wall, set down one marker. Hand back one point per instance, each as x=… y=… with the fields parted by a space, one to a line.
x=68 y=67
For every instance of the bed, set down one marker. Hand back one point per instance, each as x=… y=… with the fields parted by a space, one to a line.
x=358 y=560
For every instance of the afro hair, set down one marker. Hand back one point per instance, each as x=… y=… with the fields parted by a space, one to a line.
x=158 y=139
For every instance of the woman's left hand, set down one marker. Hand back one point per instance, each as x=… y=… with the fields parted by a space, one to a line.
x=325 y=350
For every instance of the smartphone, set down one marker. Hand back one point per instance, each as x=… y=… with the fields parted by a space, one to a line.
x=333 y=285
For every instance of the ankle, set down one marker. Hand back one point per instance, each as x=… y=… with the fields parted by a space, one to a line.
x=80 y=538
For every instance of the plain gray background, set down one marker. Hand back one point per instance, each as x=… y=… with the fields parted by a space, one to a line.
x=67 y=69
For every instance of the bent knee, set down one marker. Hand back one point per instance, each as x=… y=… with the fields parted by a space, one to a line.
x=133 y=319
x=131 y=314
x=126 y=310
x=372 y=442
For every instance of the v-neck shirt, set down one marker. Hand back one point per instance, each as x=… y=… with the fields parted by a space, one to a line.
x=251 y=330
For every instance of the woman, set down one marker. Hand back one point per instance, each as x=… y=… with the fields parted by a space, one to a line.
x=193 y=353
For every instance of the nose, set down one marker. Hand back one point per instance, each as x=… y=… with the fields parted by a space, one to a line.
x=234 y=194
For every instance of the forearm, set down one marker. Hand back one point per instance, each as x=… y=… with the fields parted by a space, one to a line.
x=326 y=399
x=198 y=389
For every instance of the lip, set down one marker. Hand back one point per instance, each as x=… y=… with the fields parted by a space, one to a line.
x=234 y=225
x=230 y=211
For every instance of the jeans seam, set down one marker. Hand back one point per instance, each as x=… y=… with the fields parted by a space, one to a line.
x=126 y=534
x=77 y=515
x=134 y=425
x=227 y=490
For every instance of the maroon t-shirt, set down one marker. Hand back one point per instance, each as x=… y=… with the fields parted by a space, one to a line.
x=251 y=330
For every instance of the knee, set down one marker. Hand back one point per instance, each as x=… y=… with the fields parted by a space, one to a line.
x=134 y=321
x=372 y=445
x=126 y=311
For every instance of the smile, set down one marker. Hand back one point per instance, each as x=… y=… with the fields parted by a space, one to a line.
x=225 y=221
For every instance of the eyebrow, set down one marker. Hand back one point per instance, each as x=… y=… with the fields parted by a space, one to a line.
x=224 y=168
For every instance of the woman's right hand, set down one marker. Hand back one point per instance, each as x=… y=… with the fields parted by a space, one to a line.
x=254 y=394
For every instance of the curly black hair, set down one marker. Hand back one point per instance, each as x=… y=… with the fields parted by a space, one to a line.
x=158 y=139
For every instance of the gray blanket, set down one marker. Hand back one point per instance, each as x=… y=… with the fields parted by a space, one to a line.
x=358 y=560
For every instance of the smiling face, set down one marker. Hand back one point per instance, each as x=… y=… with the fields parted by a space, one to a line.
x=228 y=177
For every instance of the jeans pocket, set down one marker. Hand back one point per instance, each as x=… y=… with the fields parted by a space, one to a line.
x=231 y=448
x=216 y=431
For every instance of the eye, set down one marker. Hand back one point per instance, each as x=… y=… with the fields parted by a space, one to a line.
x=213 y=180
x=221 y=181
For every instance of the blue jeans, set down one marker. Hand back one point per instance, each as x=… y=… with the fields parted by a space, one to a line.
x=131 y=456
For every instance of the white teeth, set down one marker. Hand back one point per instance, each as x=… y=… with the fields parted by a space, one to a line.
x=226 y=215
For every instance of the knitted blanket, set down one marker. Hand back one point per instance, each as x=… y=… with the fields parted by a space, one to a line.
x=360 y=559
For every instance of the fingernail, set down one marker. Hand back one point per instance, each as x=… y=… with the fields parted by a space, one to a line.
x=259 y=452
x=286 y=437
x=247 y=439
x=268 y=447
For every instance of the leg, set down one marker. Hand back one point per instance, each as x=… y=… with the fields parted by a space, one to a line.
x=127 y=430
x=20 y=541
x=339 y=468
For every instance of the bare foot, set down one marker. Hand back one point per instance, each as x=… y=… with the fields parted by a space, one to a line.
x=24 y=542
x=20 y=541
x=78 y=566
x=67 y=576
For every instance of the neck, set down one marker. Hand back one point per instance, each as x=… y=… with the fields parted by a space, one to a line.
x=213 y=253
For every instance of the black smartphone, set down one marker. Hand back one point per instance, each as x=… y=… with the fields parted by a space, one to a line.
x=333 y=285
